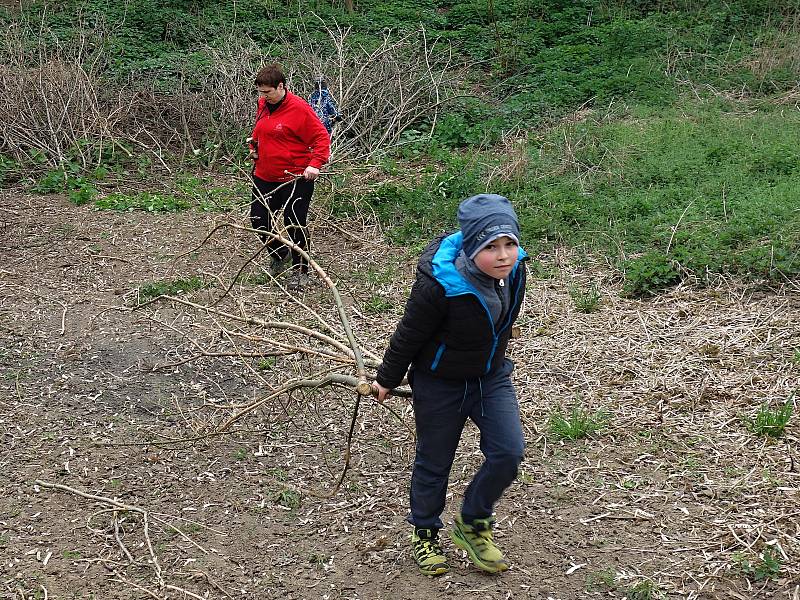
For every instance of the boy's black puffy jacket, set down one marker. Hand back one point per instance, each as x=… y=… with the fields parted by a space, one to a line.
x=447 y=328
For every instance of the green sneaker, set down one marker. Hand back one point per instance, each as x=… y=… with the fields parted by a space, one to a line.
x=428 y=553
x=476 y=539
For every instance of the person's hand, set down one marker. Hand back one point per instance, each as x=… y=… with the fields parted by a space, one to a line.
x=253 y=155
x=311 y=173
x=381 y=393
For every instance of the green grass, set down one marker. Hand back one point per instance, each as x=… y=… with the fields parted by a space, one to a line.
x=601 y=581
x=770 y=422
x=147 y=201
x=148 y=291
x=644 y=590
x=377 y=304
x=579 y=423
x=663 y=183
x=696 y=190
x=585 y=300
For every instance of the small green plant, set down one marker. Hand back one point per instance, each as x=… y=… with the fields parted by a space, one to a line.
x=796 y=358
x=377 y=305
x=240 y=454
x=288 y=498
x=771 y=421
x=155 y=289
x=71 y=554
x=267 y=364
x=760 y=568
x=604 y=580
x=649 y=274
x=585 y=300
x=577 y=424
x=278 y=474
x=146 y=201
x=644 y=590
x=380 y=276
x=525 y=478
x=318 y=559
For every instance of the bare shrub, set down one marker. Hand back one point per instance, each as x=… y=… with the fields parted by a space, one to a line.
x=61 y=101
x=381 y=91
x=52 y=97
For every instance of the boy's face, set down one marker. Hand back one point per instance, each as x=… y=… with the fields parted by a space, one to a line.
x=498 y=258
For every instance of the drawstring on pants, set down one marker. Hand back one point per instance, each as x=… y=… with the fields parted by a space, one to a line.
x=464 y=397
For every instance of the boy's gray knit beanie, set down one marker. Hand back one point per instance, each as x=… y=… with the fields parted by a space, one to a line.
x=484 y=218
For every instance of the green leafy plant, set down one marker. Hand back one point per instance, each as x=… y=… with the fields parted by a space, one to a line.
x=771 y=422
x=288 y=498
x=644 y=590
x=577 y=424
x=585 y=300
x=10 y=169
x=152 y=290
x=604 y=580
x=649 y=274
x=759 y=568
x=146 y=201
x=378 y=304
x=268 y=363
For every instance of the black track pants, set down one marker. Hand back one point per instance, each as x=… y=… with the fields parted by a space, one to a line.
x=292 y=199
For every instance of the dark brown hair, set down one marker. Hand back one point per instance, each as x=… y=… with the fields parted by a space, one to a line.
x=271 y=75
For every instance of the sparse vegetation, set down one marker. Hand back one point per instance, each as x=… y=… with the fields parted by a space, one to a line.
x=154 y=289
x=576 y=424
x=644 y=590
x=586 y=300
x=761 y=567
x=771 y=421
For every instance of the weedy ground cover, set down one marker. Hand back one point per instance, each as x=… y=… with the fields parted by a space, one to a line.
x=770 y=421
x=577 y=424
x=654 y=137
x=761 y=567
x=699 y=190
x=149 y=291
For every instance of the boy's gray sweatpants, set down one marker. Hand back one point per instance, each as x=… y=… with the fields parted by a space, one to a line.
x=441 y=409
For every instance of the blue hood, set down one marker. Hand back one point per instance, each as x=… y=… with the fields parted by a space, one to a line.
x=444 y=266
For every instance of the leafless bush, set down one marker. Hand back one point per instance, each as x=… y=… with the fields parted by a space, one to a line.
x=61 y=101
x=382 y=91
x=52 y=97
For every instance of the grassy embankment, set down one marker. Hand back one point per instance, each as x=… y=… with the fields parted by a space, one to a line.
x=661 y=135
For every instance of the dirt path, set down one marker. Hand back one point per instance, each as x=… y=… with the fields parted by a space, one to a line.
x=675 y=492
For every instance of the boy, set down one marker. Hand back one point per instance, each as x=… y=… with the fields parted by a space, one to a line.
x=453 y=335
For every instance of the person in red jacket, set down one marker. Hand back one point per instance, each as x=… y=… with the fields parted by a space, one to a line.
x=289 y=146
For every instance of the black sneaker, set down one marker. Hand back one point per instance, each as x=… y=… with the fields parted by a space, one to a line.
x=278 y=264
x=298 y=281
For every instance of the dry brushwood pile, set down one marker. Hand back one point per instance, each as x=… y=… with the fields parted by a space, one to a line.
x=209 y=443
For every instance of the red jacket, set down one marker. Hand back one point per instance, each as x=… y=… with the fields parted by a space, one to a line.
x=290 y=139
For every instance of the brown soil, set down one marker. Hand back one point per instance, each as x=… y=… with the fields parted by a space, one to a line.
x=675 y=495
